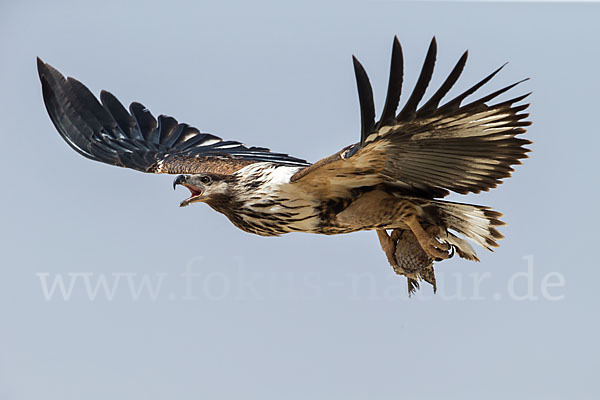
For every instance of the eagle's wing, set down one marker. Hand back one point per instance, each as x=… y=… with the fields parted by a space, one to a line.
x=105 y=131
x=426 y=151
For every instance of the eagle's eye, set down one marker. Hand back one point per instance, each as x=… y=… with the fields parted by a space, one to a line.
x=205 y=179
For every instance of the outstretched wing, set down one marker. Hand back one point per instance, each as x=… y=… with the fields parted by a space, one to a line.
x=105 y=131
x=426 y=151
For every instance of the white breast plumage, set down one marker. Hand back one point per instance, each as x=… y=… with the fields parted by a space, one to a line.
x=271 y=203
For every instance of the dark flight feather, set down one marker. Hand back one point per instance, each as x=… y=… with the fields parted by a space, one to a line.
x=410 y=108
x=432 y=104
x=394 y=85
x=455 y=103
x=365 y=98
x=105 y=131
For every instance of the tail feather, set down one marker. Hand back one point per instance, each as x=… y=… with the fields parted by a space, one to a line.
x=461 y=246
x=477 y=223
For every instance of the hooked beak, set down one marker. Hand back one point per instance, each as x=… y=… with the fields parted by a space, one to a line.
x=178 y=181
x=195 y=191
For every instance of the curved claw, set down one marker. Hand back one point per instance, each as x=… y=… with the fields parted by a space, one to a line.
x=428 y=239
x=435 y=252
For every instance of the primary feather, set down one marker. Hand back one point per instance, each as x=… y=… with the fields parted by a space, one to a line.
x=105 y=131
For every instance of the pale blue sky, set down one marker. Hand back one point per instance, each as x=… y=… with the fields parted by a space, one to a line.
x=299 y=316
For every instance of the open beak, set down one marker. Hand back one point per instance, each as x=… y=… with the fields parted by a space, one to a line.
x=195 y=191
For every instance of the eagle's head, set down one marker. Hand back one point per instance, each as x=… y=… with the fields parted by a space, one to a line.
x=202 y=187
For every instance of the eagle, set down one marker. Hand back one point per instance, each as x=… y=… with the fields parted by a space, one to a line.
x=391 y=181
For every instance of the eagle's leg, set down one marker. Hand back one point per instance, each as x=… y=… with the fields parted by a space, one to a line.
x=434 y=248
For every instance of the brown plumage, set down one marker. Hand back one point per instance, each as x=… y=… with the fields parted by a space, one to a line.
x=392 y=179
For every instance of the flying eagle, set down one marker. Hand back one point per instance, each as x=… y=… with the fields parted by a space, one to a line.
x=391 y=180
